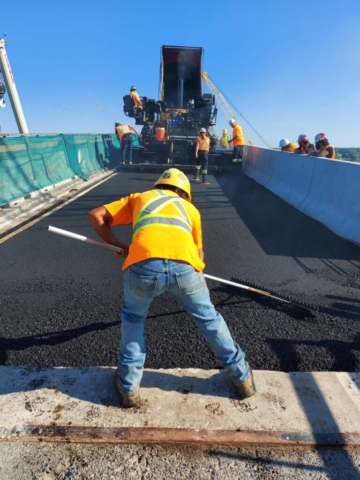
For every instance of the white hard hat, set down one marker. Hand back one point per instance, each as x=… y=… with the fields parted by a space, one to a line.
x=202 y=130
x=232 y=121
x=284 y=142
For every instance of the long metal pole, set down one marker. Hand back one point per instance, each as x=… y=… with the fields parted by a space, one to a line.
x=11 y=89
x=75 y=236
x=82 y=238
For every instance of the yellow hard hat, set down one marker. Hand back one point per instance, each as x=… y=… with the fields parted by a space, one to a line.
x=224 y=131
x=176 y=178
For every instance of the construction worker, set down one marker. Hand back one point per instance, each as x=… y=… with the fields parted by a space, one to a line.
x=202 y=154
x=134 y=95
x=237 y=141
x=305 y=147
x=124 y=135
x=323 y=147
x=287 y=146
x=165 y=255
x=224 y=139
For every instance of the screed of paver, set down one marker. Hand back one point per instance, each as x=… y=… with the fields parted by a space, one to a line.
x=300 y=406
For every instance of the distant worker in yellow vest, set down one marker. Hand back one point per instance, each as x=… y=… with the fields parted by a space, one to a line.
x=323 y=147
x=135 y=96
x=224 y=139
x=202 y=154
x=166 y=255
x=124 y=135
x=305 y=147
x=237 y=141
x=287 y=146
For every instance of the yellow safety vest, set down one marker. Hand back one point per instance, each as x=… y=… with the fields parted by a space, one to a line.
x=150 y=215
x=123 y=130
x=224 y=141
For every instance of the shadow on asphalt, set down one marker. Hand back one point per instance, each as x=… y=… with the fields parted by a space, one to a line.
x=293 y=233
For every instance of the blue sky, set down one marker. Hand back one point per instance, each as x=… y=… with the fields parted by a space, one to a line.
x=289 y=67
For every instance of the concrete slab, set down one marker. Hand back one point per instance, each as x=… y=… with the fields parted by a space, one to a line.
x=180 y=406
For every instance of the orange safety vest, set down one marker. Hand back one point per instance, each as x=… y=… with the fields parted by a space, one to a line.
x=136 y=98
x=204 y=144
x=333 y=156
x=164 y=226
x=237 y=132
x=122 y=130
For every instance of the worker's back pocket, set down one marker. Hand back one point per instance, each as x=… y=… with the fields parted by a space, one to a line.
x=143 y=286
x=190 y=281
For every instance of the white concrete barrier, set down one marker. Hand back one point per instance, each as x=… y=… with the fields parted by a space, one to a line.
x=326 y=190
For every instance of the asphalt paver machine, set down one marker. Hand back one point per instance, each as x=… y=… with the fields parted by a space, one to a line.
x=171 y=124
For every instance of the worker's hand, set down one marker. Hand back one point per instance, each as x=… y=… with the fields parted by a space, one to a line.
x=196 y=155
x=123 y=254
x=125 y=249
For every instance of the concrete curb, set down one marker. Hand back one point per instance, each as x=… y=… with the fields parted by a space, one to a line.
x=24 y=210
x=180 y=406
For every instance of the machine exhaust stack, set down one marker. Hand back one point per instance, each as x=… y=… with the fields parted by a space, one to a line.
x=181 y=92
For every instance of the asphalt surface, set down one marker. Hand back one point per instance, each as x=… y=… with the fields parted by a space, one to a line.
x=59 y=299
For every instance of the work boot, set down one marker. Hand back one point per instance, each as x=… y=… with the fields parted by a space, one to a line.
x=128 y=401
x=247 y=388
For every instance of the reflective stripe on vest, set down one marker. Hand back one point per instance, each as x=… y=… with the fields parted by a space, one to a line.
x=204 y=144
x=150 y=214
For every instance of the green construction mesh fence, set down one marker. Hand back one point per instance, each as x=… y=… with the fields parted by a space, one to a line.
x=30 y=163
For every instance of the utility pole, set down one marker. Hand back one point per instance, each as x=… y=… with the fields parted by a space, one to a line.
x=11 y=89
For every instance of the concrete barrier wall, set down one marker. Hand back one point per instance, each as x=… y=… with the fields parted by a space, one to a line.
x=326 y=190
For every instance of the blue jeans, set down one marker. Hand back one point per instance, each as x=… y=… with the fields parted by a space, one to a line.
x=146 y=280
x=203 y=158
x=238 y=152
x=126 y=148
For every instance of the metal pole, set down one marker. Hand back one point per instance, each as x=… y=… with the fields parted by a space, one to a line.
x=82 y=238
x=11 y=89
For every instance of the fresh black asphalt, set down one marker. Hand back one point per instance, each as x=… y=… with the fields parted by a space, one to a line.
x=59 y=298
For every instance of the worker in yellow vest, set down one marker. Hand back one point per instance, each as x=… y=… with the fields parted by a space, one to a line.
x=224 y=139
x=237 y=141
x=287 y=146
x=165 y=255
x=124 y=135
x=202 y=154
